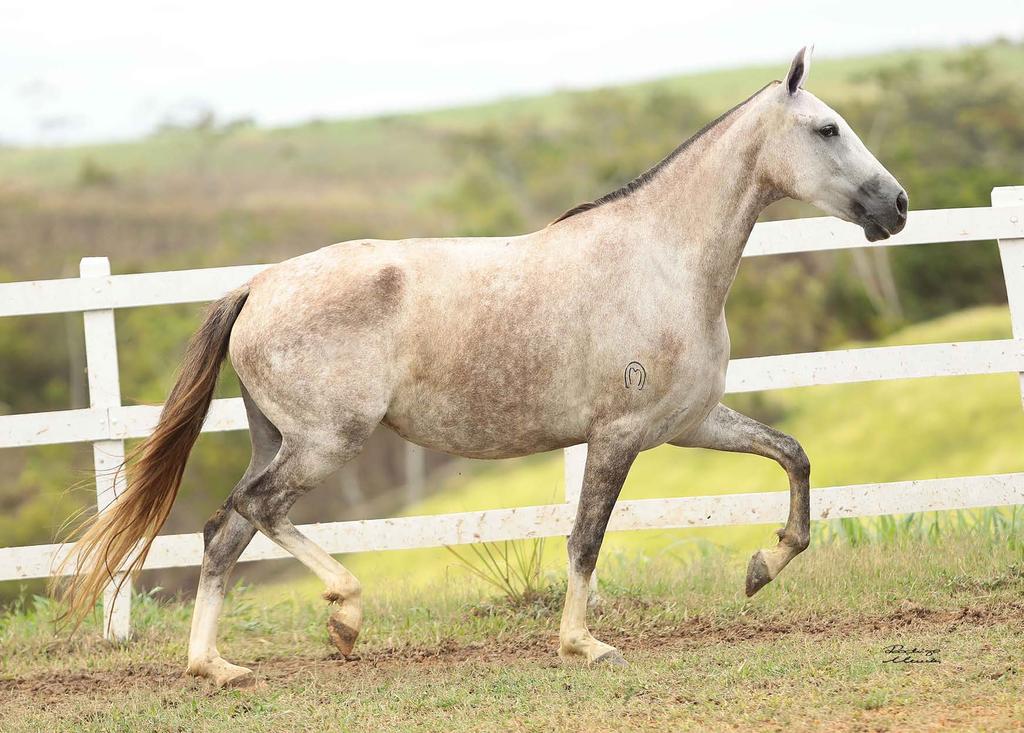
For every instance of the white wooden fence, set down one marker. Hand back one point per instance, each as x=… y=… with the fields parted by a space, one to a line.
x=106 y=423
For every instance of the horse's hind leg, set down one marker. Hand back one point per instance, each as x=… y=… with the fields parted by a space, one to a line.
x=298 y=467
x=728 y=430
x=225 y=537
x=341 y=586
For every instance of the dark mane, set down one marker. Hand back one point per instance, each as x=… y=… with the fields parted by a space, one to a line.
x=645 y=177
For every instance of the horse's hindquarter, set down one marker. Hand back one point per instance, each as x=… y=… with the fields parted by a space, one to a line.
x=314 y=342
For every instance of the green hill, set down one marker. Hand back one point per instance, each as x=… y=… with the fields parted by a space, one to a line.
x=402 y=148
x=856 y=433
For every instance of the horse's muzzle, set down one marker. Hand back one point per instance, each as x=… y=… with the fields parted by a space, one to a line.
x=881 y=218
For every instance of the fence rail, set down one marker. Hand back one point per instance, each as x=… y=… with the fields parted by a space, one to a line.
x=107 y=423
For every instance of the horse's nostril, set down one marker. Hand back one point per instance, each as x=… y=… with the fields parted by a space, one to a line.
x=901 y=203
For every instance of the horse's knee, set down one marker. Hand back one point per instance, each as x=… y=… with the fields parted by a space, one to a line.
x=794 y=458
x=583 y=551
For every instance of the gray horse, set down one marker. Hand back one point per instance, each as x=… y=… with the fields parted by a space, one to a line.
x=606 y=327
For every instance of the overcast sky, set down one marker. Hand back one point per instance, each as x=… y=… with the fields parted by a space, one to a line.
x=110 y=69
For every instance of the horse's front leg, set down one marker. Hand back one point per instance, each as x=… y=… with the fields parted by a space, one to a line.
x=608 y=462
x=728 y=430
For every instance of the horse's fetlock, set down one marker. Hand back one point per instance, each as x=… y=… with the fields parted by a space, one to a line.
x=799 y=540
x=575 y=639
x=353 y=591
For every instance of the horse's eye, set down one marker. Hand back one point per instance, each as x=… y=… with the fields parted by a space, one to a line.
x=829 y=131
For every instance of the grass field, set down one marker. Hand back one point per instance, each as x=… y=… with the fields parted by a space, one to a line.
x=813 y=651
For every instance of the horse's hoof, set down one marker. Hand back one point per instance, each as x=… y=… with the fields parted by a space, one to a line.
x=243 y=679
x=613 y=658
x=224 y=674
x=341 y=634
x=757 y=574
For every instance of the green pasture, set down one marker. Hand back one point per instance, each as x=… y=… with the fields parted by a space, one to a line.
x=812 y=651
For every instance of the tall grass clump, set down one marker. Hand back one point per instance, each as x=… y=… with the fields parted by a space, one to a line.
x=513 y=567
x=995 y=525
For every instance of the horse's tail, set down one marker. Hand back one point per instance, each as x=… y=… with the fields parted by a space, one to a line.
x=156 y=469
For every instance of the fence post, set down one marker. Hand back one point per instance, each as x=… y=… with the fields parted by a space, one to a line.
x=575 y=457
x=1011 y=252
x=108 y=455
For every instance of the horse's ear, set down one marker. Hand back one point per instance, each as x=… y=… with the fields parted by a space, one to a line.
x=798 y=71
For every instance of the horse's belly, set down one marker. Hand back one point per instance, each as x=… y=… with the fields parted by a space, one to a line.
x=483 y=429
x=496 y=379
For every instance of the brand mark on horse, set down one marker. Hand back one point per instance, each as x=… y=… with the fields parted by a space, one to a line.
x=634 y=376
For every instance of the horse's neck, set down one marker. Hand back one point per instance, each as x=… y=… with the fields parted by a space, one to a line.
x=703 y=205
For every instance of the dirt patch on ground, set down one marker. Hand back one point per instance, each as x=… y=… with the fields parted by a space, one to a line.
x=909 y=615
x=110 y=681
x=538 y=649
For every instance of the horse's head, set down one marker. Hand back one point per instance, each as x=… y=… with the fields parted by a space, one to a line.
x=815 y=156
